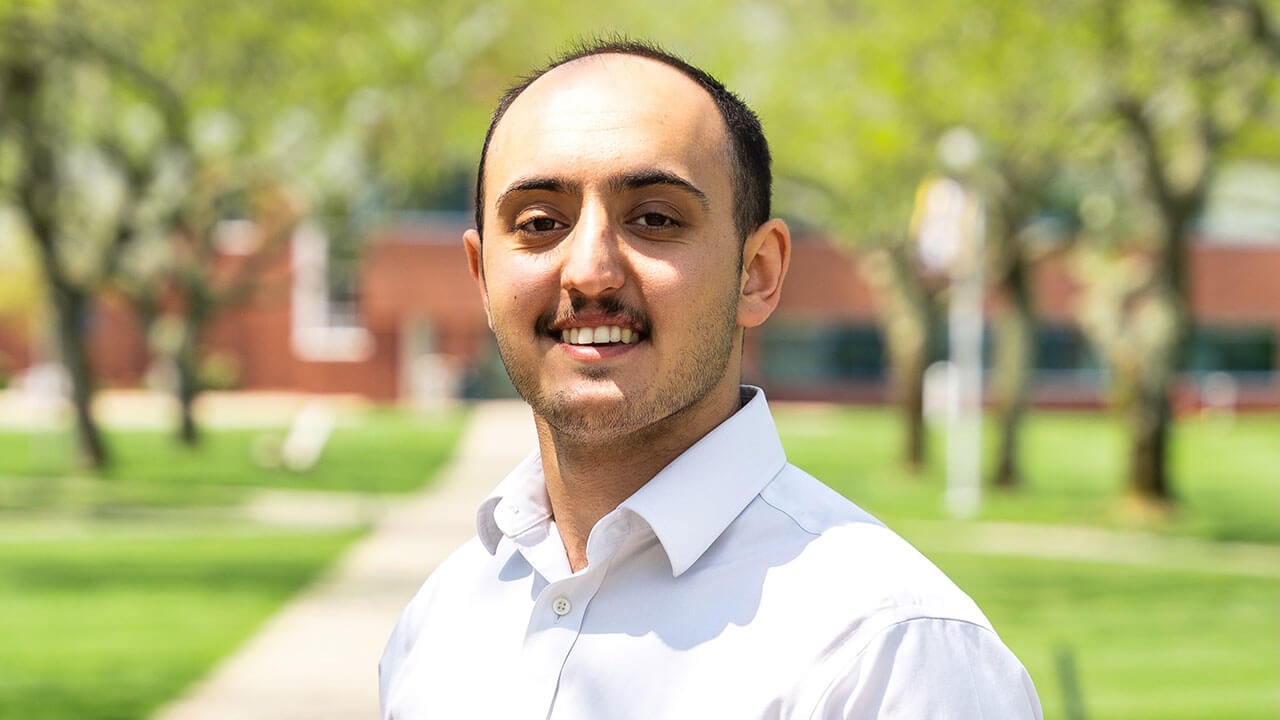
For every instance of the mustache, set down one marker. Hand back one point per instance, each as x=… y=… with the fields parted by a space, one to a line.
x=606 y=306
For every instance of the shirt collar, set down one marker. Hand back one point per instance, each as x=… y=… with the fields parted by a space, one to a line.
x=688 y=504
x=691 y=502
x=517 y=504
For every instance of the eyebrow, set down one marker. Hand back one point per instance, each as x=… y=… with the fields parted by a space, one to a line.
x=529 y=184
x=619 y=183
x=648 y=178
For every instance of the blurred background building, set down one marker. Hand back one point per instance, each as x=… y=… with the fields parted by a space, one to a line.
x=407 y=326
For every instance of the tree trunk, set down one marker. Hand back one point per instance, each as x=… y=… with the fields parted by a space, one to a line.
x=187 y=361
x=23 y=78
x=70 y=307
x=1163 y=318
x=187 y=389
x=908 y=324
x=1014 y=358
x=1150 y=413
x=910 y=392
x=185 y=365
x=1149 y=420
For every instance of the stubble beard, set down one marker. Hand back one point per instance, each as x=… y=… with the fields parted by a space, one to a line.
x=689 y=382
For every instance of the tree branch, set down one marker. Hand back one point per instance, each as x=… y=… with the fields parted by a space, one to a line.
x=1129 y=109
x=1261 y=26
x=170 y=104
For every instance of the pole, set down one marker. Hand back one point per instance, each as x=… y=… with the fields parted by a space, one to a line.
x=964 y=325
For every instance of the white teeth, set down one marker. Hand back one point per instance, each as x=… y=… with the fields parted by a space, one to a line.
x=599 y=335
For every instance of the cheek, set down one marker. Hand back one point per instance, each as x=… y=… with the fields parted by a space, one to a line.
x=681 y=265
x=687 y=291
x=517 y=287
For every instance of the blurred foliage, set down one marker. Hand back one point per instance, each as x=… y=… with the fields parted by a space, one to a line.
x=1097 y=122
x=87 y=140
x=219 y=371
x=19 y=289
x=854 y=95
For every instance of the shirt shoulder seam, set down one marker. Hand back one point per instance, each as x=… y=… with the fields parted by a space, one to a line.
x=775 y=506
x=862 y=648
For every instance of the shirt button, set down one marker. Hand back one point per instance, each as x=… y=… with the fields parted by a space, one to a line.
x=561 y=606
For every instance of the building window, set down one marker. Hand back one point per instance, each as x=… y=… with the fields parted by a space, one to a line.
x=1236 y=350
x=818 y=352
x=325 y=327
x=1063 y=348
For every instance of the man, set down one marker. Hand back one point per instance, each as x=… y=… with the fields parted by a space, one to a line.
x=657 y=557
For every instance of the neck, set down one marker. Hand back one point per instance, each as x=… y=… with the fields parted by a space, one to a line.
x=588 y=478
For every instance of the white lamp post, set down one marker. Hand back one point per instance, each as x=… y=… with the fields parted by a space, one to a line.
x=950 y=235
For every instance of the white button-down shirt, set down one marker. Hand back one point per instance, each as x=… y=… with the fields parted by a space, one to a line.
x=732 y=585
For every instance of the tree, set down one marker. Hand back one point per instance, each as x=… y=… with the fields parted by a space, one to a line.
x=1022 y=114
x=849 y=155
x=1184 y=83
x=79 y=170
x=1256 y=15
x=179 y=283
x=881 y=89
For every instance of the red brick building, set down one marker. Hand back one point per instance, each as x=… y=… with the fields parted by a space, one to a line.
x=417 y=330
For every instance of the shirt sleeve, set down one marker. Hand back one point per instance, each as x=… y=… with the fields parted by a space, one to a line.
x=942 y=669
x=403 y=637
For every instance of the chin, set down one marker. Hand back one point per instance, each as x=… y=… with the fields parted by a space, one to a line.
x=590 y=396
x=597 y=412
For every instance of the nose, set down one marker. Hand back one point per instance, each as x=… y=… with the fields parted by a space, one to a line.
x=593 y=265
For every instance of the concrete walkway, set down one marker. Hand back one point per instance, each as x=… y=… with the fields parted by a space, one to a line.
x=1095 y=545
x=317 y=658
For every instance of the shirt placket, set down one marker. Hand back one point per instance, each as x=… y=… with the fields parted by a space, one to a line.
x=557 y=621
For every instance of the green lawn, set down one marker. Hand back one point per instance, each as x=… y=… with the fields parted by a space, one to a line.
x=119 y=590
x=1227 y=476
x=1147 y=644
x=145 y=593
x=375 y=451
x=107 y=629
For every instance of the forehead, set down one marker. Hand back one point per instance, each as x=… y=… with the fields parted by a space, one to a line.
x=607 y=114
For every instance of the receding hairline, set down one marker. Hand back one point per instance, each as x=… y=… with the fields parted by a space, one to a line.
x=725 y=138
x=607 y=57
x=749 y=158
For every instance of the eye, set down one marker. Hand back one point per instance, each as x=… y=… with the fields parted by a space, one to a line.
x=656 y=220
x=540 y=224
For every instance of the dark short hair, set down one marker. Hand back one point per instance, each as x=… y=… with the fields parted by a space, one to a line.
x=748 y=149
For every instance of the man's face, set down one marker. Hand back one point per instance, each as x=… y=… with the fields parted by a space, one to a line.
x=610 y=261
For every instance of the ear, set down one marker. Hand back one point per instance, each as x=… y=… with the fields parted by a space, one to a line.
x=765 y=257
x=475 y=262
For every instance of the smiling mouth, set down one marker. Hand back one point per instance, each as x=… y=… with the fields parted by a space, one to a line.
x=599 y=335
